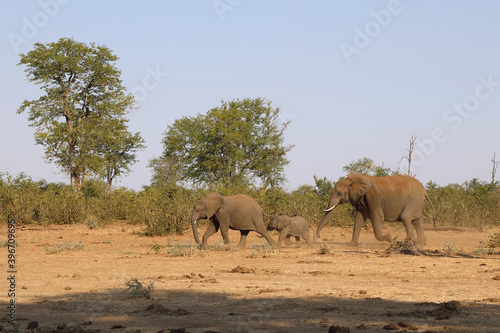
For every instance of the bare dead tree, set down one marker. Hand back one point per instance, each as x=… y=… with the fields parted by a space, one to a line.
x=413 y=142
x=495 y=167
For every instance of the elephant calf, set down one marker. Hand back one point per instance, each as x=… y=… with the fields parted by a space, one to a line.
x=295 y=226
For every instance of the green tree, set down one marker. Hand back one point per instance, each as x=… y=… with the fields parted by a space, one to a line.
x=238 y=143
x=117 y=148
x=165 y=171
x=323 y=186
x=366 y=166
x=81 y=117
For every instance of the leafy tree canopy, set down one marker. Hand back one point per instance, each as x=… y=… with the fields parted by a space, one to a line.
x=238 y=143
x=366 y=166
x=80 y=120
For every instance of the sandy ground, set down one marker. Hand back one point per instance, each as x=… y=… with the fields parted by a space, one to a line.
x=256 y=289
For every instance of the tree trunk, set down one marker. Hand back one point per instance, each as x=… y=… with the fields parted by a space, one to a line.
x=74 y=171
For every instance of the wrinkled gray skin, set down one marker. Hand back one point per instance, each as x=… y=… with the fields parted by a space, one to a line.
x=393 y=198
x=238 y=212
x=295 y=226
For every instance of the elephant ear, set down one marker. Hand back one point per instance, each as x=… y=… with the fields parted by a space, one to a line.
x=282 y=222
x=359 y=186
x=214 y=203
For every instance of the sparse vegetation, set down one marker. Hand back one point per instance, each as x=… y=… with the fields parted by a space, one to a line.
x=405 y=247
x=494 y=241
x=488 y=248
x=481 y=249
x=4 y=243
x=92 y=222
x=183 y=250
x=166 y=209
x=450 y=249
x=58 y=247
x=263 y=249
x=135 y=288
x=156 y=247
x=324 y=249
x=220 y=246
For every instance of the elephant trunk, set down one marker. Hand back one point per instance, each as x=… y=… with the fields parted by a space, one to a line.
x=195 y=232
x=272 y=225
x=324 y=221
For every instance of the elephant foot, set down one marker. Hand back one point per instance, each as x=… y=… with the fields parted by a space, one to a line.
x=420 y=243
x=388 y=238
x=352 y=243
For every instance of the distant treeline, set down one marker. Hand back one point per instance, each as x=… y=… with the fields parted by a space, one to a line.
x=166 y=209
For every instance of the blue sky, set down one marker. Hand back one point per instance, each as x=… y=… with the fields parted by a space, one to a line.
x=356 y=78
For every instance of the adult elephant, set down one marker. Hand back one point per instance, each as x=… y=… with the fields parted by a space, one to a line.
x=393 y=198
x=237 y=212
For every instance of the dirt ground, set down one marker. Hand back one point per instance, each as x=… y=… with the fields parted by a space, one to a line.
x=66 y=288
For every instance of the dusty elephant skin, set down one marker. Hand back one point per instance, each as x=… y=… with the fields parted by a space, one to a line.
x=237 y=212
x=393 y=198
x=290 y=226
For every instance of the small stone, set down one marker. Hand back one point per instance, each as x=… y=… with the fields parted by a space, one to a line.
x=32 y=325
x=242 y=270
x=391 y=327
x=338 y=329
x=408 y=326
x=177 y=330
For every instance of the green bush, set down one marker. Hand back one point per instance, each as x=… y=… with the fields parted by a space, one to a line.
x=163 y=209
x=472 y=204
x=166 y=209
x=28 y=201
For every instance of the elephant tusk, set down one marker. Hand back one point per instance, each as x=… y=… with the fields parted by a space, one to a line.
x=195 y=222
x=329 y=209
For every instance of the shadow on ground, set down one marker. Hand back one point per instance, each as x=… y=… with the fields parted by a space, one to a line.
x=115 y=311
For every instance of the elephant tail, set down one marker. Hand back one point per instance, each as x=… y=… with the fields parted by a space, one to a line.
x=433 y=211
x=267 y=215
x=314 y=232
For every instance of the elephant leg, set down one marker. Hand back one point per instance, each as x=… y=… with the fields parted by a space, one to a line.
x=283 y=235
x=262 y=230
x=410 y=234
x=224 y=228
x=421 y=240
x=306 y=237
x=212 y=228
x=243 y=238
x=377 y=229
x=287 y=240
x=359 y=222
x=298 y=243
x=225 y=235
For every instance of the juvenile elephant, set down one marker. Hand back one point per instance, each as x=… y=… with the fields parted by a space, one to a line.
x=295 y=226
x=238 y=212
x=393 y=198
